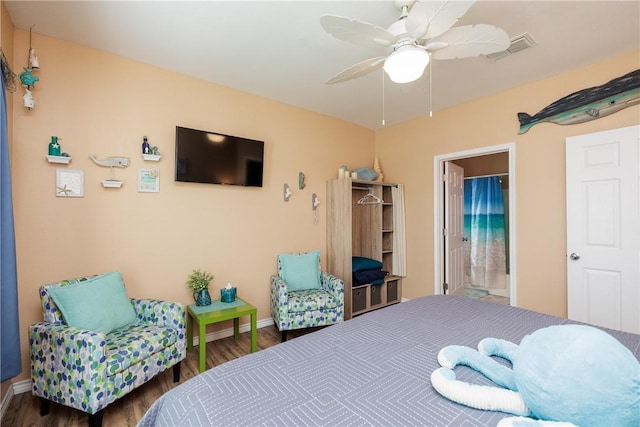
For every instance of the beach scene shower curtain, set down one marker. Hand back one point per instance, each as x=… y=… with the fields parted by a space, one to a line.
x=484 y=231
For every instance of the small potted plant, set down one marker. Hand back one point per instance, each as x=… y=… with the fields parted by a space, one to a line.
x=198 y=281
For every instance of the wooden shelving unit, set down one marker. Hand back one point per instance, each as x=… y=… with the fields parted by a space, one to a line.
x=364 y=230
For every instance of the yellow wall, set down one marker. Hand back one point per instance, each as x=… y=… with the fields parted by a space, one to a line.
x=407 y=151
x=102 y=104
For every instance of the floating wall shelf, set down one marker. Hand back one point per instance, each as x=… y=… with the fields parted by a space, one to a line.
x=59 y=159
x=152 y=157
x=110 y=183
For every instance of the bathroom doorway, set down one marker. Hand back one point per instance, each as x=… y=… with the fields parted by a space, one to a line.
x=489 y=237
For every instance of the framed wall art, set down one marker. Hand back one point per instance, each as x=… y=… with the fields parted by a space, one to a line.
x=69 y=183
x=148 y=180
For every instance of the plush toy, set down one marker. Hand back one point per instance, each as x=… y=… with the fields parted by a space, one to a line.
x=561 y=375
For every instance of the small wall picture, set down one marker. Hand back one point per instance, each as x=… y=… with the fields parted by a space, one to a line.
x=69 y=183
x=148 y=180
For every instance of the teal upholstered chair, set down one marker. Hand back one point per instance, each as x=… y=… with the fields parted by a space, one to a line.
x=95 y=344
x=302 y=295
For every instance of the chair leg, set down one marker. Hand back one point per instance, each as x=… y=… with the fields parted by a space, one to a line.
x=283 y=336
x=95 y=420
x=45 y=404
x=176 y=372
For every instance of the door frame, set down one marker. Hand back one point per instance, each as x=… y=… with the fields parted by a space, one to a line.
x=438 y=212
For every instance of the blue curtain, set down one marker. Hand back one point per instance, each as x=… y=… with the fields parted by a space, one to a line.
x=10 y=362
x=484 y=229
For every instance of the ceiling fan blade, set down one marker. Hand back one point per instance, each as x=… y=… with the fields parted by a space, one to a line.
x=356 y=32
x=468 y=41
x=358 y=70
x=428 y=19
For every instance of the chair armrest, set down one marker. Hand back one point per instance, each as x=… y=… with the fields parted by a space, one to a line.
x=62 y=354
x=160 y=313
x=333 y=285
x=279 y=296
x=165 y=314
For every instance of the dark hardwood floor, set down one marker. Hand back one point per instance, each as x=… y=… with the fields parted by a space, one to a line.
x=24 y=409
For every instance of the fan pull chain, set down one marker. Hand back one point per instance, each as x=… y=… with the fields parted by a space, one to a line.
x=430 y=91
x=382 y=97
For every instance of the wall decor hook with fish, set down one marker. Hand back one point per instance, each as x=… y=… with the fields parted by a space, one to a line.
x=112 y=162
x=588 y=104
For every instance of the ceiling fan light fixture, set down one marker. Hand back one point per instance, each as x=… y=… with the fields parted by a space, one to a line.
x=406 y=64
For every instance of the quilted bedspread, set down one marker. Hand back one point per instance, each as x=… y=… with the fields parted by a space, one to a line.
x=372 y=370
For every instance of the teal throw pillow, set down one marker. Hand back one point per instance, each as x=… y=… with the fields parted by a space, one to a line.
x=97 y=304
x=359 y=263
x=300 y=271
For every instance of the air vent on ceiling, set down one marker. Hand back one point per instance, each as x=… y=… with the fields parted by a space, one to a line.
x=518 y=43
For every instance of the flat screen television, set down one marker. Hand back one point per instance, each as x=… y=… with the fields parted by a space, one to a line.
x=215 y=158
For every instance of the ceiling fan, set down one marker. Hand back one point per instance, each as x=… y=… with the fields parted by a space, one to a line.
x=422 y=32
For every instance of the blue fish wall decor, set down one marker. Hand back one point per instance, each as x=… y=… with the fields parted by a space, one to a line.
x=588 y=104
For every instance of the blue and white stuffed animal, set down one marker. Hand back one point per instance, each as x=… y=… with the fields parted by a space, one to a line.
x=561 y=375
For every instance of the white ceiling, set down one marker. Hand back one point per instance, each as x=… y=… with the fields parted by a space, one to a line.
x=278 y=50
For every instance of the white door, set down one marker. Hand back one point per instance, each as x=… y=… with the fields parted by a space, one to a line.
x=603 y=228
x=454 y=228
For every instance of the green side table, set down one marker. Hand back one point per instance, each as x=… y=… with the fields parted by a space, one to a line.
x=218 y=312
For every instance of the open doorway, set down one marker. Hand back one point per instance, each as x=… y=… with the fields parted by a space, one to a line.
x=495 y=164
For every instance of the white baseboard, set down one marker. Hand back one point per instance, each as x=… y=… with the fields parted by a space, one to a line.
x=25 y=385
x=21 y=386
x=6 y=401
x=16 y=388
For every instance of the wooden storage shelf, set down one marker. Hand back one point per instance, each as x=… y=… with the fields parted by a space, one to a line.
x=364 y=230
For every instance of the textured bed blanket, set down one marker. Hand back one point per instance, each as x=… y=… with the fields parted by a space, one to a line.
x=371 y=370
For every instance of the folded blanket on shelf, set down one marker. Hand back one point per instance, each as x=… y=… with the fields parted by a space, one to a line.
x=374 y=276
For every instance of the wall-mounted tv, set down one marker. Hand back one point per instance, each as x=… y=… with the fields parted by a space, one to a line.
x=215 y=158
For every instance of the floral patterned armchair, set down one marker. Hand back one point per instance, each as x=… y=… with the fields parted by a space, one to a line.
x=302 y=295
x=88 y=369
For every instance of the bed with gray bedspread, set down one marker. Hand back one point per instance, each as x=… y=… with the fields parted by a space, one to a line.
x=372 y=370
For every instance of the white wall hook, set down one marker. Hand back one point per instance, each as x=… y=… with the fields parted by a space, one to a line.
x=315 y=202
x=287 y=192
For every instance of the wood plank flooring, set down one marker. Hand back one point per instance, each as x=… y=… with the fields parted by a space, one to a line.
x=24 y=409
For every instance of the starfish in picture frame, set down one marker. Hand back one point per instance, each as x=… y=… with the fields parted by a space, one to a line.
x=64 y=190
